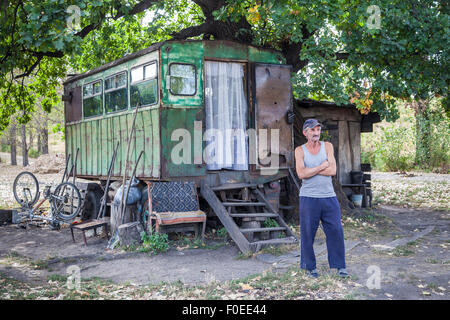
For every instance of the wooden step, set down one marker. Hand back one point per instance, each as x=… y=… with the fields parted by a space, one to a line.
x=243 y=204
x=253 y=215
x=232 y=186
x=224 y=217
x=250 y=230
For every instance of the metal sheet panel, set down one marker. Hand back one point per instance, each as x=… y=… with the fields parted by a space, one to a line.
x=72 y=109
x=273 y=100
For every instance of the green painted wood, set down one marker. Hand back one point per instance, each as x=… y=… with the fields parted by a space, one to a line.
x=89 y=148
x=190 y=52
x=80 y=152
x=265 y=56
x=225 y=50
x=157 y=145
x=140 y=143
x=177 y=118
x=104 y=142
x=97 y=139
x=148 y=143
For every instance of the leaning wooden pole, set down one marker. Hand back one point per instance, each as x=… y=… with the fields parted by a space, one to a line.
x=127 y=159
x=122 y=213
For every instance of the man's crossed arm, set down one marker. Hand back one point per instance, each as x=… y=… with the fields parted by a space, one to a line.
x=326 y=168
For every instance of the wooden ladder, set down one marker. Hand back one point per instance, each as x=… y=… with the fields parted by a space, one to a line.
x=235 y=213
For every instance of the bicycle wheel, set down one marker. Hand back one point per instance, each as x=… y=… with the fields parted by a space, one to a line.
x=26 y=189
x=66 y=201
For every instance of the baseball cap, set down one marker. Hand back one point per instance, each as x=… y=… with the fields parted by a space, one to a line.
x=311 y=123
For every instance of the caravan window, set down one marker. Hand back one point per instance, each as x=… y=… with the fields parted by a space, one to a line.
x=92 y=99
x=116 y=97
x=183 y=79
x=144 y=85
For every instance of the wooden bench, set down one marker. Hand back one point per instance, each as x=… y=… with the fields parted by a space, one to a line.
x=88 y=225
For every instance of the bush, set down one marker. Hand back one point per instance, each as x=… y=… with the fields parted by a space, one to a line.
x=270 y=223
x=393 y=152
x=5 y=148
x=222 y=233
x=391 y=145
x=440 y=140
x=155 y=243
x=33 y=153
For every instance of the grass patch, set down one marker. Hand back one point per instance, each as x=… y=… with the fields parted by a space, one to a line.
x=279 y=250
x=412 y=194
x=292 y=284
x=403 y=251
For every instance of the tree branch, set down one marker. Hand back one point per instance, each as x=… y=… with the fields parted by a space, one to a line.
x=195 y=31
x=139 y=7
x=31 y=68
x=221 y=30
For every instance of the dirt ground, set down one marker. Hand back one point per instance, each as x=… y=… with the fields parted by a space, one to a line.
x=417 y=269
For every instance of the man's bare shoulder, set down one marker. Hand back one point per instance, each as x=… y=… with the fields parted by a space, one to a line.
x=299 y=149
x=328 y=145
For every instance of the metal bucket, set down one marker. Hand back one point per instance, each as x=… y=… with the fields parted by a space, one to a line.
x=357 y=200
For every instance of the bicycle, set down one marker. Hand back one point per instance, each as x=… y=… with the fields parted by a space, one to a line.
x=65 y=201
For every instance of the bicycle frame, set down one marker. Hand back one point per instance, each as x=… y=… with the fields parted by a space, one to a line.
x=30 y=211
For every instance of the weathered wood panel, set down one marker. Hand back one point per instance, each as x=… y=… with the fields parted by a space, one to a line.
x=345 y=162
x=178 y=118
x=337 y=114
x=355 y=144
x=184 y=52
x=97 y=140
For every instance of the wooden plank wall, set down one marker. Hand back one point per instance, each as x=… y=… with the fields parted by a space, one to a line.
x=97 y=139
x=348 y=141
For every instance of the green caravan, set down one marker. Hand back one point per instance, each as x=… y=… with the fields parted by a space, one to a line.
x=217 y=113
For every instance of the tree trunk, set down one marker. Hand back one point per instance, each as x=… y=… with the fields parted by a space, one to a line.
x=39 y=144
x=347 y=206
x=44 y=139
x=24 y=146
x=423 y=135
x=117 y=219
x=130 y=233
x=13 y=143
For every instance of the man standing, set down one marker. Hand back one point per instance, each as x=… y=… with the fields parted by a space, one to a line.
x=315 y=164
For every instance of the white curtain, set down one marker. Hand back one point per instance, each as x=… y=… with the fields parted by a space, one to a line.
x=226 y=117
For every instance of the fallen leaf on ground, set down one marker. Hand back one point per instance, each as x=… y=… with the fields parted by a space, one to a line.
x=246 y=286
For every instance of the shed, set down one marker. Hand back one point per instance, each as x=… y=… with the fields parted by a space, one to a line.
x=343 y=127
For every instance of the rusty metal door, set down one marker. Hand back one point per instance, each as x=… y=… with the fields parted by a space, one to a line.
x=273 y=109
